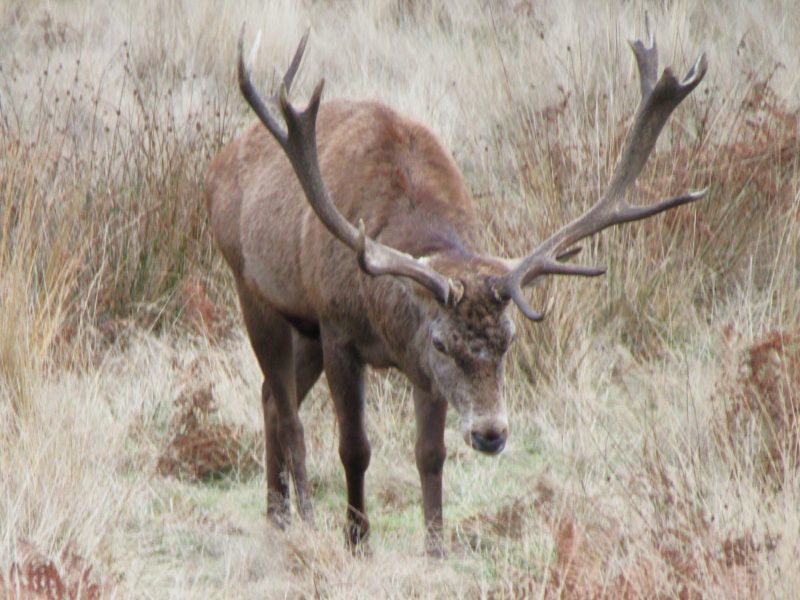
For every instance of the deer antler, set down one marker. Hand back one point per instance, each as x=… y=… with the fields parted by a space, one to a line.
x=659 y=99
x=299 y=142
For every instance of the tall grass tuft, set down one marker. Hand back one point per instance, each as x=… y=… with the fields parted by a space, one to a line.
x=103 y=206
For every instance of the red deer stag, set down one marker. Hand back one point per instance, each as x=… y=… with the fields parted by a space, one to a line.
x=354 y=241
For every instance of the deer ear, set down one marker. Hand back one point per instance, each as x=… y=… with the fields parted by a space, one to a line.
x=456 y=292
x=450 y=299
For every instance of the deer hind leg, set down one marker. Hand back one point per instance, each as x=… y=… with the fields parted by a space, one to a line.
x=345 y=374
x=291 y=364
x=307 y=369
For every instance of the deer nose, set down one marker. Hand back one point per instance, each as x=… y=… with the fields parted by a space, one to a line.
x=490 y=442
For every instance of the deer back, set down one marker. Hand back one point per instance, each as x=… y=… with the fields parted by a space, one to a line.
x=380 y=167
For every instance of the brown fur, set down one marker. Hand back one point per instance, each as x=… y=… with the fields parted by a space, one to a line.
x=307 y=306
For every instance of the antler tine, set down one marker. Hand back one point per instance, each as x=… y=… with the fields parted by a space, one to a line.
x=647 y=62
x=252 y=96
x=288 y=77
x=374 y=259
x=299 y=142
x=659 y=99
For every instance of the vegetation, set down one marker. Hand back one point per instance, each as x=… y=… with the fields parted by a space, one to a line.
x=654 y=448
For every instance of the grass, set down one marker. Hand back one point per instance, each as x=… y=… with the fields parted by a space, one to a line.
x=654 y=446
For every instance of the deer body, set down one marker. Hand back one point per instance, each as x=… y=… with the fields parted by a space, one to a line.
x=409 y=288
x=394 y=175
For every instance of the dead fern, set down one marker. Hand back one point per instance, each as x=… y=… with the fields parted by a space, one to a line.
x=200 y=446
x=37 y=577
x=761 y=403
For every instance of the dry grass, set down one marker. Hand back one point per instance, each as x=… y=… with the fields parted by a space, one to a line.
x=654 y=444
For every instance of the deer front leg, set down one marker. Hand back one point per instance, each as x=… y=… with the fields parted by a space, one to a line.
x=430 y=453
x=345 y=374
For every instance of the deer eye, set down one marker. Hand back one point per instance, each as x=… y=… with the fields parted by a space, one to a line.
x=439 y=345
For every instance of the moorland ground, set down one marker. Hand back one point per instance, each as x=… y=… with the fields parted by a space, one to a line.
x=654 y=430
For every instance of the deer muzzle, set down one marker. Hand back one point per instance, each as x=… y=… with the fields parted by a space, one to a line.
x=488 y=435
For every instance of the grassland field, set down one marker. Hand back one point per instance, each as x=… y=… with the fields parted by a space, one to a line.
x=655 y=439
